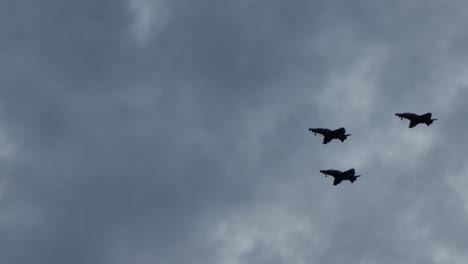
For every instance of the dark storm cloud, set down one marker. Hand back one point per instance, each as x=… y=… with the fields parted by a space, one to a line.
x=154 y=131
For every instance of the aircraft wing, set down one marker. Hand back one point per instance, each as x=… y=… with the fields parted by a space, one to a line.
x=337 y=181
x=413 y=123
x=326 y=139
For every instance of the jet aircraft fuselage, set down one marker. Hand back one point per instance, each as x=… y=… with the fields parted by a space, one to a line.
x=417 y=119
x=328 y=134
x=340 y=176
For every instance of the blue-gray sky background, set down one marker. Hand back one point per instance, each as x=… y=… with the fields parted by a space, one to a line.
x=174 y=132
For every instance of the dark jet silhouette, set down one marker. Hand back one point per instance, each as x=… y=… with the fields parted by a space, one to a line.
x=416 y=119
x=328 y=134
x=341 y=176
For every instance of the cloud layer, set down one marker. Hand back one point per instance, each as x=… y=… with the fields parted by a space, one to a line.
x=153 y=131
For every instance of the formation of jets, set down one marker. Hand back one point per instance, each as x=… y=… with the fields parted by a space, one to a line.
x=340 y=133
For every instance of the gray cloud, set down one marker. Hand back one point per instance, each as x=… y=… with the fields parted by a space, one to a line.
x=173 y=131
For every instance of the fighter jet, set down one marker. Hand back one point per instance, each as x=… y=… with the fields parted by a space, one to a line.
x=341 y=176
x=416 y=119
x=328 y=134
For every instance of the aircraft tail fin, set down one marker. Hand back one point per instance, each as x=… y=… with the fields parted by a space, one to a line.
x=430 y=121
x=354 y=178
x=343 y=138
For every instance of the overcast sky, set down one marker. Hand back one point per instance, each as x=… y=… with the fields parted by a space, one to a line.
x=175 y=131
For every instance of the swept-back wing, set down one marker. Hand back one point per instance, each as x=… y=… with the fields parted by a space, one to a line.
x=326 y=139
x=337 y=181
